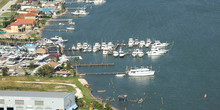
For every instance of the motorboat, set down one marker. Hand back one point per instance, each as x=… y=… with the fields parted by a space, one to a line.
x=70 y=28
x=130 y=42
x=73 y=47
x=120 y=75
x=95 y=49
x=115 y=53
x=89 y=48
x=158 y=44
x=140 y=53
x=148 y=43
x=143 y=71
x=79 y=46
x=72 y=23
x=136 y=42
x=134 y=53
x=55 y=38
x=154 y=53
x=159 y=50
x=110 y=45
x=142 y=43
x=121 y=53
x=61 y=24
x=80 y=12
x=104 y=45
x=85 y=46
x=105 y=52
x=97 y=45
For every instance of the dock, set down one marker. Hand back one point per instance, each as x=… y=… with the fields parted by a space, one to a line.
x=77 y=8
x=61 y=20
x=97 y=64
x=64 y=30
x=59 y=25
x=104 y=73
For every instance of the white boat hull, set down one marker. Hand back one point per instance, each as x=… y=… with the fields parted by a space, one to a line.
x=149 y=73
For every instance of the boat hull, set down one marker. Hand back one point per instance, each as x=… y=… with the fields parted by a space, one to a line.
x=149 y=73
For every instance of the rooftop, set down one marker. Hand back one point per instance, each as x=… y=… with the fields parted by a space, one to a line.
x=34 y=94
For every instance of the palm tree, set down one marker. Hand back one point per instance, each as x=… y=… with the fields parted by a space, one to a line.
x=76 y=61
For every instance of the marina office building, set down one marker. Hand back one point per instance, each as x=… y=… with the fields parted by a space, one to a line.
x=27 y=100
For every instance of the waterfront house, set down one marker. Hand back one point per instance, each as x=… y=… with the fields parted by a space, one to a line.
x=21 y=25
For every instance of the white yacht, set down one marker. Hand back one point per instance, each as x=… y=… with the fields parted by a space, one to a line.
x=134 y=53
x=97 y=45
x=55 y=38
x=120 y=75
x=130 y=42
x=154 y=53
x=89 y=48
x=159 y=50
x=158 y=44
x=95 y=49
x=110 y=45
x=85 y=46
x=140 y=53
x=143 y=71
x=148 y=43
x=105 y=52
x=70 y=28
x=104 y=45
x=80 y=12
x=121 y=53
x=136 y=42
x=61 y=24
x=79 y=46
x=73 y=47
x=142 y=43
x=115 y=53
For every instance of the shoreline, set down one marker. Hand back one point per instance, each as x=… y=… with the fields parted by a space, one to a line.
x=85 y=83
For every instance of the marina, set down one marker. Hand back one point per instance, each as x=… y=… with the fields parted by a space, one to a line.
x=183 y=75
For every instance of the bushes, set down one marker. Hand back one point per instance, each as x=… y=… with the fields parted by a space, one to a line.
x=45 y=71
x=5 y=71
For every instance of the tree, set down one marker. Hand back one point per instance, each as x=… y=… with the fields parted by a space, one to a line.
x=68 y=65
x=5 y=71
x=45 y=71
x=32 y=65
x=76 y=61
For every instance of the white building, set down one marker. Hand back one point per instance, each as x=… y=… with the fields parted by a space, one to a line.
x=26 y=100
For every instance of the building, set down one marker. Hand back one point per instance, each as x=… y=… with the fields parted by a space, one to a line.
x=21 y=25
x=26 y=100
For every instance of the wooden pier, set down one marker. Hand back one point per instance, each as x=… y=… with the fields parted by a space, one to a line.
x=77 y=8
x=104 y=73
x=100 y=64
x=61 y=20
x=59 y=25
x=64 y=30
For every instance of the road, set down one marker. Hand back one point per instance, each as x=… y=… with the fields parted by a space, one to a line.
x=7 y=6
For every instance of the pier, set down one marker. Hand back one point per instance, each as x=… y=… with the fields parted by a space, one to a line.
x=65 y=30
x=100 y=64
x=104 y=73
x=61 y=20
x=77 y=8
x=59 y=25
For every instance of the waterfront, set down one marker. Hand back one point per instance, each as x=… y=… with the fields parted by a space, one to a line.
x=185 y=74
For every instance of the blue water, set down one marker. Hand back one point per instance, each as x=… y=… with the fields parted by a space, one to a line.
x=183 y=76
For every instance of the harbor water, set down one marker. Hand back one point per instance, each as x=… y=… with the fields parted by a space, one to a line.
x=183 y=76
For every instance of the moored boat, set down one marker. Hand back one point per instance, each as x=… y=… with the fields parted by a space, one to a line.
x=143 y=71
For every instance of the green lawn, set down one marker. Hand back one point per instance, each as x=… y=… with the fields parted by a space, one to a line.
x=8 y=14
x=3 y=3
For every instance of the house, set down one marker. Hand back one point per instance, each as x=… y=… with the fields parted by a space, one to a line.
x=29 y=15
x=20 y=25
